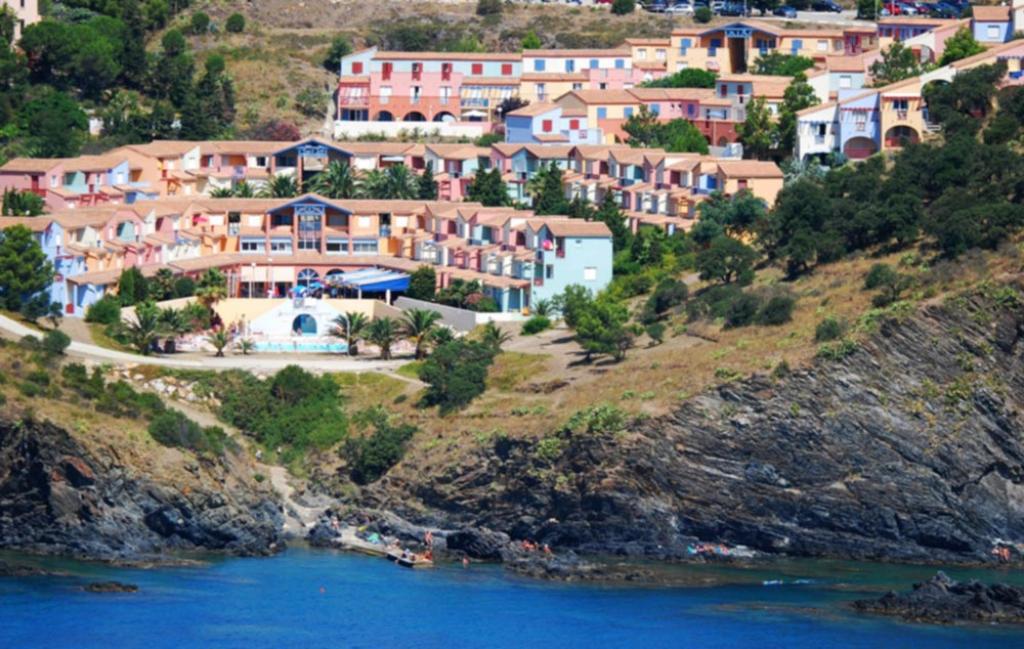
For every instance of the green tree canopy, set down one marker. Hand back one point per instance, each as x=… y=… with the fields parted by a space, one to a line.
x=782 y=65
x=960 y=45
x=24 y=269
x=688 y=78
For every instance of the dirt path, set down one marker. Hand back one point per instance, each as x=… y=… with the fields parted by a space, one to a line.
x=298 y=517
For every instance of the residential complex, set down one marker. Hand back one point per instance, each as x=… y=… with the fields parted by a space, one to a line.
x=26 y=12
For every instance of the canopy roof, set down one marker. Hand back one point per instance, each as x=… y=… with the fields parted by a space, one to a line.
x=371 y=280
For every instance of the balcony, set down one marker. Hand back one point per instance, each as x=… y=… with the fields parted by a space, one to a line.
x=475 y=102
x=349 y=101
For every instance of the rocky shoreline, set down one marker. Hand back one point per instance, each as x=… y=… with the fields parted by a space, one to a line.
x=942 y=600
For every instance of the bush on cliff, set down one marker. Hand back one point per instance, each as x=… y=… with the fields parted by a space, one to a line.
x=172 y=428
x=371 y=456
x=456 y=374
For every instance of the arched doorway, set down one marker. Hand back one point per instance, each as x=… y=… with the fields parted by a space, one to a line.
x=304 y=325
x=899 y=136
x=385 y=116
x=858 y=148
x=307 y=276
x=414 y=116
x=444 y=116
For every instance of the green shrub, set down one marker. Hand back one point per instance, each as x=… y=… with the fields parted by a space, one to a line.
x=30 y=389
x=488 y=7
x=341 y=47
x=837 y=350
x=656 y=332
x=184 y=287
x=777 y=310
x=371 y=456
x=235 y=23
x=549 y=449
x=77 y=378
x=741 y=311
x=829 y=329
x=106 y=310
x=623 y=7
x=200 y=23
x=536 y=324
x=39 y=377
x=172 y=428
x=879 y=275
x=55 y=342
x=456 y=373
x=702 y=15
x=601 y=419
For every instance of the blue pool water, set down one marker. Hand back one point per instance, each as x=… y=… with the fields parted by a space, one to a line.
x=306 y=598
x=302 y=347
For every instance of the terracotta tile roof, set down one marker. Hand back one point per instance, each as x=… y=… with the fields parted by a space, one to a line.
x=33 y=223
x=240 y=147
x=458 y=151
x=574 y=227
x=750 y=168
x=649 y=41
x=603 y=96
x=553 y=76
x=551 y=137
x=489 y=81
x=650 y=65
x=31 y=165
x=991 y=14
x=446 y=56
x=163 y=148
x=845 y=64
x=93 y=162
x=534 y=109
x=671 y=94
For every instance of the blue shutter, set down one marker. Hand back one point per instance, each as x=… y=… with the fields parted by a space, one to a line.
x=627 y=112
x=684 y=45
x=797 y=45
x=538 y=65
x=602 y=112
x=619 y=64
x=594 y=64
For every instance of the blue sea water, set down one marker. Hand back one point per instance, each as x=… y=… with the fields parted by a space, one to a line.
x=306 y=598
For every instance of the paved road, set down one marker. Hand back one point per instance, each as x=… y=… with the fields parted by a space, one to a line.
x=253 y=363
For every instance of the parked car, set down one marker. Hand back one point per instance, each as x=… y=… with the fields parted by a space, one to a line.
x=732 y=9
x=656 y=7
x=681 y=9
x=825 y=5
x=717 y=5
x=944 y=10
x=785 y=11
x=907 y=9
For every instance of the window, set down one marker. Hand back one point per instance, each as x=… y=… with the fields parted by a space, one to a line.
x=619 y=64
x=570 y=65
x=506 y=69
x=53 y=181
x=364 y=247
x=656 y=109
x=900 y=104
x=252 y=245
x=691 y=109
x=684 y=45
x=602 y=112
x=796 y=45
x=417 y=70
x=477 y=69
x=723 y=90
x=993 y=32
x=590 y=273
x=741 y=183
x=385 y=71
x=446 y=93
x=549 y=271
x=357 y=67
x=715 y=44
x=363 y=221
x=574 y=124
x=822 y=46
x=261 y=161
x=547 y=126
x=860 y=120
x=594 y=64
x=385 y=94
x=682 y=66
x=845 y=81
x=823 y=128
x=641 y=54
x=602 y=86
x=309 y=244
x=337 y=247
x=446 y=71
x=627 y=112
x=414 y=93
x=281 y=245
x=538 y=65
x=659 y=54
x=577 y=86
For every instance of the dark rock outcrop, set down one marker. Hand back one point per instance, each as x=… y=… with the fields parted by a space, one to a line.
x=111 y=587
x=943 y=600
x=57 y=497
x=909 y=448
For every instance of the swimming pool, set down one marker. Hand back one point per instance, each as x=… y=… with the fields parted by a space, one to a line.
x=302 y=347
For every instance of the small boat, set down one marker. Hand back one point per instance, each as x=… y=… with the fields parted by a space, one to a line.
x=414 y=561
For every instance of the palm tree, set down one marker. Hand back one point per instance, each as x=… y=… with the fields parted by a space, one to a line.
x=144 y=329
x=246 y=346
x=543 y=307
x=400 y=183
x=350 y=327
x=494 y=336
x=244 y=190
x=374 y=185
x=440 y=336
x=280 y=186
x=210 y=295
x=219 y=339
x=161 y=285
x=336 y=181
x=419 y=323
x=222 y=192
x=383 y=332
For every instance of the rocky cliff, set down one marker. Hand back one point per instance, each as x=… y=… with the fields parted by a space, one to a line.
x=908 y=447
x=58 y=496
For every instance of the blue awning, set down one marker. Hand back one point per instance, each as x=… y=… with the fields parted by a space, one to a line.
x=371 y=280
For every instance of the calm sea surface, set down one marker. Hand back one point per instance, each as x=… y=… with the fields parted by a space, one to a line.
x=308 y=598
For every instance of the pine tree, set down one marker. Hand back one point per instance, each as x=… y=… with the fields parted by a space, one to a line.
x=611 y=215
x=550 y=198
x=427 y=184
x=24 y=268
x=488 y=189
